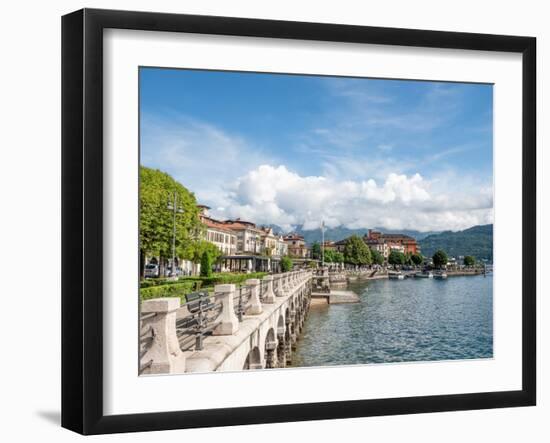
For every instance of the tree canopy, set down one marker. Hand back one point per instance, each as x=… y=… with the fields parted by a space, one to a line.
x=332 y=256
x=286 y=264
x=469 y=260
x=377 y=258
x=316 y=251
x=156 y=190
x=356 y=252
x=417 y=259
x=396 y=258
x=440 y=258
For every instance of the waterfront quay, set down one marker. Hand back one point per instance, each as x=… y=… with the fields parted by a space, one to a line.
x=254 y=326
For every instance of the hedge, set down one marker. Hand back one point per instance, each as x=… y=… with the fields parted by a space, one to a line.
x=176 y=289
x=225 y=278
x=154 y=288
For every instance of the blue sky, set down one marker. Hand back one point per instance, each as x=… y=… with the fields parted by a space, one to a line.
x=290 y=149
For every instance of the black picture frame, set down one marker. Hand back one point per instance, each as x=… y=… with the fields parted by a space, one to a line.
x=82 y=218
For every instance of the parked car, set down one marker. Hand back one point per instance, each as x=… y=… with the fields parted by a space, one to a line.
x=151 y=271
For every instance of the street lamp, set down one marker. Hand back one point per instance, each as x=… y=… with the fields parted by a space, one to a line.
x=173 y=206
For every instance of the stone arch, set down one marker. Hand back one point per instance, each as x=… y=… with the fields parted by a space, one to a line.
x=270 y=349
x=253 y=359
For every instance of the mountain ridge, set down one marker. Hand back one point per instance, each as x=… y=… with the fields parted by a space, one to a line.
x=476 y=240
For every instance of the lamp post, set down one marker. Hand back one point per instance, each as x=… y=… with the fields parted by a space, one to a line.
x=173 y=206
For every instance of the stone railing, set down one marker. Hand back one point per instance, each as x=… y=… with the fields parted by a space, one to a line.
x=168 y=328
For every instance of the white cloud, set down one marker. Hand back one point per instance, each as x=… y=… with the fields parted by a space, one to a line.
x=275 y=195
x=199 y=154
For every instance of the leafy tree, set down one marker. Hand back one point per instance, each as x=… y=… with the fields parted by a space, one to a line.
x=286 y=264
x=206 y=265
x=396 y=258
x=356 y=251
x=469 y=260
x=337 y=257
x=417 y=259
x=156 y=189
x=440 y=258
x=332 y=256
x=316 y=251
x=199 y=247
x=377 y=258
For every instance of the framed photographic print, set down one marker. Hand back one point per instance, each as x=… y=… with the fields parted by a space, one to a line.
x=269 y=221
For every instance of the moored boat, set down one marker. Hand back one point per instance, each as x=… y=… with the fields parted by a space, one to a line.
x=440 y=275
x=424 y=275
x=396 y=275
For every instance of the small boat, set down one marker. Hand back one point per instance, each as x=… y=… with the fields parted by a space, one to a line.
x=396 y=276
x=424 y=275
x=440 y=275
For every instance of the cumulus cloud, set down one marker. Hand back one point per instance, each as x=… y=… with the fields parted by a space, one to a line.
x=275 y=195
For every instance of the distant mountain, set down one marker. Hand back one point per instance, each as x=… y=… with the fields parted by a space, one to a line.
x=340 y=233
x=476 y=241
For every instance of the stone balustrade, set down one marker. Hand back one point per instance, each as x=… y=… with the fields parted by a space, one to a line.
x=273 y=317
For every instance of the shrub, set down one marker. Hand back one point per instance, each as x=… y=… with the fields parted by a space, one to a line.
x=176 y=289
x=206 y=264
x=226 y=278
x=286 y=263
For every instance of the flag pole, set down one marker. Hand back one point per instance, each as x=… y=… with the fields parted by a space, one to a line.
x=322 y=243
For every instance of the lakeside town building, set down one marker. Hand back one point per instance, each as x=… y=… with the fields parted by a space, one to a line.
x=329 y=245
x=296 y=246
x=245 y=247
x=385 y=243
x=218 y=233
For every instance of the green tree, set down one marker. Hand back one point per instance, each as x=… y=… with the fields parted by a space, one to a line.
x=329 y=256
x=440 y=258
x=396 y=258
x=417 y=259
x=156 y=222
x=377 y=258
x=316 y=251
x=206 y=265
x=199 y=247
x=469 y=260
x=286 y=264
x=356 y=251
x=337 y=257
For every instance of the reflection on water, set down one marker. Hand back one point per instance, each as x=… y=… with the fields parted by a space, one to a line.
x=402 y=320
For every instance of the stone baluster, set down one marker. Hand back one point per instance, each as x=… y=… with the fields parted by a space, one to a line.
x=280 y=289
x=229 y=322
x=255 y=305
x=286 y=286
x=269 y=296
x=164 y=355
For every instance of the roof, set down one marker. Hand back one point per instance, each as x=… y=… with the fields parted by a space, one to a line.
x=215 y=224
x=239 y=224
x=390 y=237
x=293 y=236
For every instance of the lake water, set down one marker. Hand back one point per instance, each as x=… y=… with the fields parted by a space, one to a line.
x=400 y=321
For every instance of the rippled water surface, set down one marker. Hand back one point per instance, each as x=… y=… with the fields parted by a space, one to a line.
x=402 y=320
